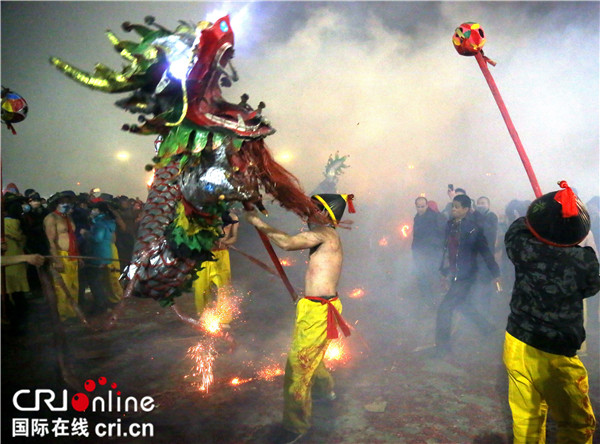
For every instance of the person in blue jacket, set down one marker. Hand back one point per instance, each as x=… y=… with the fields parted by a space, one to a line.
x=99 y=240
x=464 y=241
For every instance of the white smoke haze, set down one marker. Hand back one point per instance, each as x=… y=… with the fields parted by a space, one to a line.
x=412 y=114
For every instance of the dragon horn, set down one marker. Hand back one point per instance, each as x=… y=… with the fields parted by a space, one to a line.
x=140 y=30
x=123 y=47
x=111 y=81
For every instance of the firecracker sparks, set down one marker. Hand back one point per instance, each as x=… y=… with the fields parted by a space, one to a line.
x=270 y=372
x=383 y=242
x=211 y=321
x=227 y=308
x=335 y=354
x=404 y=230
x=286 y=262
x=357 y=293
x=203 y=355
x=239 y=381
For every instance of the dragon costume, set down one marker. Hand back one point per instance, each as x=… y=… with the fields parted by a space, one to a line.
x=209 y=152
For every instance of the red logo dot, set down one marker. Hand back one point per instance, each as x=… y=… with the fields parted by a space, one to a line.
x=101 y=380
x=114 y=385
x=80 y=402
x=119 y=393
x=89 y=385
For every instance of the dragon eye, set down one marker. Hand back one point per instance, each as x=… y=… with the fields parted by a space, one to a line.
x=224 y=27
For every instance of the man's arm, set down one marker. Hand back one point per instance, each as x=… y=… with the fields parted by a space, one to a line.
x=301 y=241
x=232 y=234
x=486 y=254
x=33 y=259
x=52 y=235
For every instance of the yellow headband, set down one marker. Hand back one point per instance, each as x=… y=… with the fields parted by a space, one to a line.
x=327 y=207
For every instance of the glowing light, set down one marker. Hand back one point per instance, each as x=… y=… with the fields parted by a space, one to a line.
x=357 y=293
x=286 y=262
x=227 y=309
x=150 y=180
x=404 y=230
x=123 y=155
x=211 y=321
x=383 y=242
x=336 y=354
x=238 y=381
x=78 y=183
x=203 y=356
x=237 y=19
x=284 y=157
x=411 y=167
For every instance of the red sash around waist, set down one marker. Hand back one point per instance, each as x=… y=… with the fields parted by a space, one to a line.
x=333 y=317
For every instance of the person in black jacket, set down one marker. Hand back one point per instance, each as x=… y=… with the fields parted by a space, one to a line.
x=464 y=241
x=427 y=245
x=545 y=326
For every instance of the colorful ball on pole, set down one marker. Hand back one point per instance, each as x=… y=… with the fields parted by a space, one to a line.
x=468 y=38
x=14 y=108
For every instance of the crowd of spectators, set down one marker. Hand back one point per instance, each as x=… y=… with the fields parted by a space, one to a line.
x=86 y=238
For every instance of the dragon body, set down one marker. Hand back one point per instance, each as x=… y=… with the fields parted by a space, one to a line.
x=209 y=153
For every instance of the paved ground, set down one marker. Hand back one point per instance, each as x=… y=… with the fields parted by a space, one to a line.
x=387 y=393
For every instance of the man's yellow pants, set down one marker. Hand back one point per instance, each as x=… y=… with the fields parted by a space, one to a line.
x=305 y=366
x=217 y=273
x=70 y=277
x=539 y=382
x=116 y=293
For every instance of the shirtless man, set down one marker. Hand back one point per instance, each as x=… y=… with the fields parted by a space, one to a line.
x=312 y=332
x=60 y=231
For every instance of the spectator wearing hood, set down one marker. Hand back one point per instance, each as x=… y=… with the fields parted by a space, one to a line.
x=99 y=240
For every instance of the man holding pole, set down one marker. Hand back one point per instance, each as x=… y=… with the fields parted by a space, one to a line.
x=317 y=313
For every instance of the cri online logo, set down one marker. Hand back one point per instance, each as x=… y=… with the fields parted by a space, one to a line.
x=81 y=402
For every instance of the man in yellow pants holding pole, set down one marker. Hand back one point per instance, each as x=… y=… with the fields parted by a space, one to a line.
x=317 y=313
x=545 y=326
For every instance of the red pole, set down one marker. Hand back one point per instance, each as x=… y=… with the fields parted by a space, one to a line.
x=275 y=259
x=511 y=128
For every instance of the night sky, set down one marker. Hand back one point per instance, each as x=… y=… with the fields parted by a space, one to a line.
x=379 y=81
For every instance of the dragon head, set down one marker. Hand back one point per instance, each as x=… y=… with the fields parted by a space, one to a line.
x=176 y=75
x=207 y=108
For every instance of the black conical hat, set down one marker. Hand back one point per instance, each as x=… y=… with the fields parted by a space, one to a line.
x=559 y=218
x=335 y=204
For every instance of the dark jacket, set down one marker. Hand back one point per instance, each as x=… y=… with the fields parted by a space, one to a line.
x=471 y=242
x=546 y=309
x=428 y=232
x=489 y=224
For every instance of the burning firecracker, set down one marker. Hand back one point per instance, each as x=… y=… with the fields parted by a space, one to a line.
x=336 y=354
x=227 y=308
x=286 y=262
x=357 y=293
x=268 y=373
x=404 y=230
